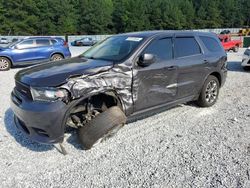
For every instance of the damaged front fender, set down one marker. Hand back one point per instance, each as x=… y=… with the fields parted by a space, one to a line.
x=117 y=79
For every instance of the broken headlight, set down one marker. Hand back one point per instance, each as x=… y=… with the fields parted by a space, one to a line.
x=49 y=94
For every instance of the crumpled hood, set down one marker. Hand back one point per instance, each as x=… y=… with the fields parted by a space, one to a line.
x=56 y=73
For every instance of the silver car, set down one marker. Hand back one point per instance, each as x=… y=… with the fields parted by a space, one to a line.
x=4 y=41
x=246 y=59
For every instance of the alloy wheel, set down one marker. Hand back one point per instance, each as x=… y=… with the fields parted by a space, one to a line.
x=4 y=64
x=57 y=58
x=211 y=91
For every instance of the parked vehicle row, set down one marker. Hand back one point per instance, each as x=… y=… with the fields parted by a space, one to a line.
x=86 y=41
x=33 y=50
x=124 y=77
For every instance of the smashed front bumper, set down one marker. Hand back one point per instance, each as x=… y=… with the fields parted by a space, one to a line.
x=40 y=121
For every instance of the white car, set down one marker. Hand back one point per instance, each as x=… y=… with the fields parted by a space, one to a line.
x=4 y=41
x=246 y=59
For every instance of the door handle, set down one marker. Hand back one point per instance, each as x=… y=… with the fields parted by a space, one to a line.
x=171 y=68
x=206 y=61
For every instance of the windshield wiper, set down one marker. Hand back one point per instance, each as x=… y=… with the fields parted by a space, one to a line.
x=91 y=57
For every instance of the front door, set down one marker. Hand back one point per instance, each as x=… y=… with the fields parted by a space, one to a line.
x=24 y=52
x=155 y=84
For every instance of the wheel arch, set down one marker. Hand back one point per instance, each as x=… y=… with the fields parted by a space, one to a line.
x=105 y=95
x=60 y=53
x=217 y=75
x=9 y=58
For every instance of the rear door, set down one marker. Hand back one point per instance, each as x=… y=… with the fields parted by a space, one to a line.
x=190 y=61
x=44 y=49
x=153 y=85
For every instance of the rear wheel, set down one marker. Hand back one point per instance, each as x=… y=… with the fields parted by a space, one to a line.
x=236 y=49
x=56 y=57
x=209 y=93
x=5 y=64
x=103 y=126
x=246 y=68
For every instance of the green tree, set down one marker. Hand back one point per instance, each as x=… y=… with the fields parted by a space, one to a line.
x=213 y=14
x=172 y=15
x=95 y=17
x=188 y=11
x=57 y=17
x=19 y=17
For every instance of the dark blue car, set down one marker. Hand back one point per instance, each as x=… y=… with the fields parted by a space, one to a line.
x=33 y=50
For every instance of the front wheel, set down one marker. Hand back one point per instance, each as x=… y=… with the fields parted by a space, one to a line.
x=56 y=57
x=209 y=93
x=103 y=126
x=5 y=64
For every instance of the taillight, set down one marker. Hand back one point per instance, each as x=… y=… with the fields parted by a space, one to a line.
x=65 y=44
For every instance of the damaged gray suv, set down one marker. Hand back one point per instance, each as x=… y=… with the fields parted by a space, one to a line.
x=121 y=79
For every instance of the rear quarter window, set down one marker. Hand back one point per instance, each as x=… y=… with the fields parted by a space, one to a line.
x=57 y=41
x=186 y=46
x=53 y=41
x=211 y=44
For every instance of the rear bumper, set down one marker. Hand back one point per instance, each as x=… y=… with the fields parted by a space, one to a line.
x=41 y=122
x=67 y=54
x=223 y=76
x=245 y=61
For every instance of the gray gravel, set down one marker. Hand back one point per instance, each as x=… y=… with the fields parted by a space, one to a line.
x=186 y=146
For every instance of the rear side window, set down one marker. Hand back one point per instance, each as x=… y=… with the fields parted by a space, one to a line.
x=42 y=42
x=186 y=46
x=161 y=48
x=211 y=44
x=53 y=41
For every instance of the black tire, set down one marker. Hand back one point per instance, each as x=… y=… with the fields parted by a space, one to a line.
x=246 y=68
x=5 y=64
x=103 y=126
x=236 y=49
x=56 y=57
x=208 y=97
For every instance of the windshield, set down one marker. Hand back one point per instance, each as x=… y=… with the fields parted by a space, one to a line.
x=114 y=48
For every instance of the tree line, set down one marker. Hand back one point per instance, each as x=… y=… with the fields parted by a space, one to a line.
x=60 y=17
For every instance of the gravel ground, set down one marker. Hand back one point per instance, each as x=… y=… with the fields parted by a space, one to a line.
x=185 y=146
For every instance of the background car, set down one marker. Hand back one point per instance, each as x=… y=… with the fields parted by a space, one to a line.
x=229 y=44
x=246 y=60
x=225 y=32
x=33 y=50
x=86 y=41
x=14 y=40
x=4 y=41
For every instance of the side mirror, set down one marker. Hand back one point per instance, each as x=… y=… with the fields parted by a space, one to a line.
x=146 y=60
x=15 y=47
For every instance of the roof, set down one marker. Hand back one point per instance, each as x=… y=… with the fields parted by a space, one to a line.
x=43 y=37
x=147 y=34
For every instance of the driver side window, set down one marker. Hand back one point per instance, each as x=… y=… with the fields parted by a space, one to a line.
x=25 y=44
x=161 y=48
